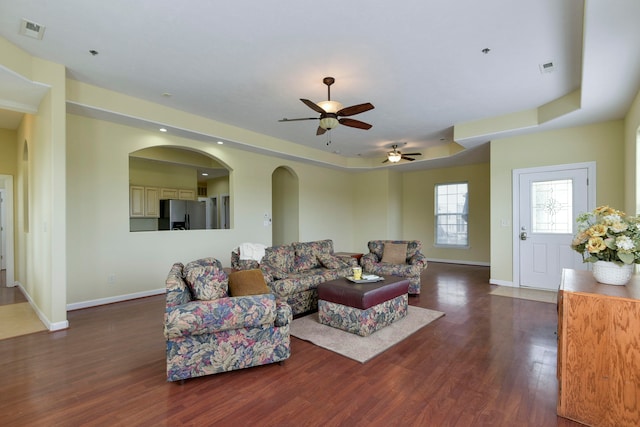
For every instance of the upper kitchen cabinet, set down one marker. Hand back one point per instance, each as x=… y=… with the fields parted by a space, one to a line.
x=144 y=202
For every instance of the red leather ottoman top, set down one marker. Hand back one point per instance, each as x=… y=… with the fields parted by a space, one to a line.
x=362 y=295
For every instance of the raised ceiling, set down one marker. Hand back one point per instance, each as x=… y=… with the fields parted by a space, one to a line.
x=423 y=64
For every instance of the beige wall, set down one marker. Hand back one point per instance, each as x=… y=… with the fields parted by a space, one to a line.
x=602 y=143
x=153 y=174
x=419 y=211
x=9 y=152
x=632 y=157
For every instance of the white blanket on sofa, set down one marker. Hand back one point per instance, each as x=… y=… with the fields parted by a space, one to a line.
x=252 y=251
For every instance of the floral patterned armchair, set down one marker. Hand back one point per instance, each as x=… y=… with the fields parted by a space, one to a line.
x=409 y=264
x=207 y=331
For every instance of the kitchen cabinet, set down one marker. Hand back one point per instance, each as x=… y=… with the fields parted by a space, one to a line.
x=177 y=193
x=186 y=194
x=144 y=202
x=598 y=351
x=168 y=193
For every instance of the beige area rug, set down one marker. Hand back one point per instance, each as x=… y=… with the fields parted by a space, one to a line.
x=539 y=295
x=18 y=319
x=359 y=348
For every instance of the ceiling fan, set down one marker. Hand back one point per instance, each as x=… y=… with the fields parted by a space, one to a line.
x=395 y=156
x=332 y=113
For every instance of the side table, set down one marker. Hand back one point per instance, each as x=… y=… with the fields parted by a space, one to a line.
x=355 y=255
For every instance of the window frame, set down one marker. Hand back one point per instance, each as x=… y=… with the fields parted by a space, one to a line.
x=437 y=215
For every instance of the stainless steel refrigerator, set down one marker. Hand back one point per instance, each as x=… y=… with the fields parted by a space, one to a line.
x=182 y=215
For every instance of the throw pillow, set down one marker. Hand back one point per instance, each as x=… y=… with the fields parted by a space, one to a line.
x=395 y=253
x=206 y=282
x=247 y=282
x=331 y=261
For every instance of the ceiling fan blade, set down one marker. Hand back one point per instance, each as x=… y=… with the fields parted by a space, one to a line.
x=320 y=131
x=411 y=159
x=313 y=106
x=355 y=123
x=296 y=120
x=355 y=109
x=385 y=160
x=412 y=154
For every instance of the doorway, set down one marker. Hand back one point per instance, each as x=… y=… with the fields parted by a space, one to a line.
x=6 y=230
x=546 y=202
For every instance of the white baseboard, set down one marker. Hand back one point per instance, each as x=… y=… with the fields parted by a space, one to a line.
x=456 y=261
x=50 y=326
x=502 y=283
x=111 y=300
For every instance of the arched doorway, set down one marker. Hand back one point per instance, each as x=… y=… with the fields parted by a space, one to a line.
x=285 y=202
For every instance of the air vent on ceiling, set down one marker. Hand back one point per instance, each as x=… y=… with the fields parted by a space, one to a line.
x=547 y=67
x=31 y=29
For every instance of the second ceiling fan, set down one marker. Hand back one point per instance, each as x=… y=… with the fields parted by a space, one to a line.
x=332 y=113
x=395 y=156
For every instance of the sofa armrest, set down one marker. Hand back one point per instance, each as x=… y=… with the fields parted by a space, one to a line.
x=284 y=314
x=368 y=260
x=271 y=274
x=205 y=317
x=418 y=259
x=349 y=260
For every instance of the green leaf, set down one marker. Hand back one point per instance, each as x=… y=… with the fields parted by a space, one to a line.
x=626 y=258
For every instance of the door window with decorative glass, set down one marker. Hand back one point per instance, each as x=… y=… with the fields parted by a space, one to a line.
x=452 y=214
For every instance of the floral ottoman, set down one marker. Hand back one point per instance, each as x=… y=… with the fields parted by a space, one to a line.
x=362 y=308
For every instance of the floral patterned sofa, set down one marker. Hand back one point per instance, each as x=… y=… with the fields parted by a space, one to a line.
x=208 y=332
x=410 y=265
x=293 y=271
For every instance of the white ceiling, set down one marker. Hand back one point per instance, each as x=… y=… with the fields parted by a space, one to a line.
x=420 y=62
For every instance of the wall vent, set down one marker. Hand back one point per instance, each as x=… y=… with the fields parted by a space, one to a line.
x=547 y=67
x=31 y=29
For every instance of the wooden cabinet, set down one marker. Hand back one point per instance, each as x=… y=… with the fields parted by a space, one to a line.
x=598 y=351
x=186 y=194
x=168 y=193
x=144 y=202
x=177 y=193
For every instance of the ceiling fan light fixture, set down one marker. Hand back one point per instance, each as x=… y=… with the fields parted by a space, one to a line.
x=328 y=123
x=330 y=106
x=394 y=156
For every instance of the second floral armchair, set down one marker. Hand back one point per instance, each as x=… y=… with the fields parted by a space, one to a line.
x=401 y=258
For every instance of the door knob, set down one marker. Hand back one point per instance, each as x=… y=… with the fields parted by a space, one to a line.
x=523 y=235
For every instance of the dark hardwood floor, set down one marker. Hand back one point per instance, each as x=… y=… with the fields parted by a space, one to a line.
x=490 y=361
x=9 y=295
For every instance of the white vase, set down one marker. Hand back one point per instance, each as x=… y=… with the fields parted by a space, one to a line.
x=611 y=273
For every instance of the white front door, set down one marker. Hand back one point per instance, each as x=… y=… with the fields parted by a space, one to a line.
x=549 y=201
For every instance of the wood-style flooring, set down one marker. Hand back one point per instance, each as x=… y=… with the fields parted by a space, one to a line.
x=9 y=295
x=490 y=361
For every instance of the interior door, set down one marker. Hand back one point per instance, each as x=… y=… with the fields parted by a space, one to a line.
x=549 y=202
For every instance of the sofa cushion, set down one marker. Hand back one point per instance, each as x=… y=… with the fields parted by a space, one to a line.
x=306 y=253
x=280 y=260
x=330 y=261
x=394 y=253
x=206 y=279
x=247 y=282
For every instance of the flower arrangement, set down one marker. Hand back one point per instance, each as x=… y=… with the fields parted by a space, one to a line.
x=606 y=234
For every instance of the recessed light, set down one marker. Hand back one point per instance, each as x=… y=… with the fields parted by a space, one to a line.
x=163 y=130
x=220 y=143
x=166 y=95
x=204 y=174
